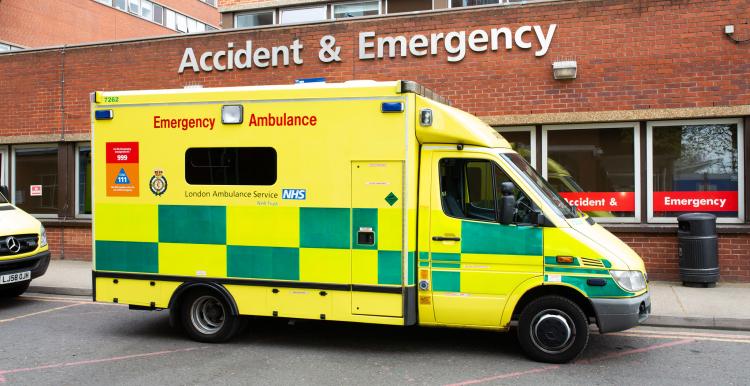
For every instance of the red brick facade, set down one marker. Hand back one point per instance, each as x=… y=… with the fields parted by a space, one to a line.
x=633 y=57
x=44 y=23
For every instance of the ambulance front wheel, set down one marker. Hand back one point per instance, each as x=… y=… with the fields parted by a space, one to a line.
x=553 y=329
x=206 y=317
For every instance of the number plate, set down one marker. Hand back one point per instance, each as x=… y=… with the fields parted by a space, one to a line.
x=15 y=277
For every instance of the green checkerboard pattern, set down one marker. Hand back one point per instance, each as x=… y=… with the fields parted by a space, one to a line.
x=319 y=228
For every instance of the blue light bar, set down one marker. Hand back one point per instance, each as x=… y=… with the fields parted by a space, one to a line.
x=104 y=114
x=392 y=107
x=310 y=80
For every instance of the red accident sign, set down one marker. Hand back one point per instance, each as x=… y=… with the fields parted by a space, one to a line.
x=718 y=201
x=601 y=201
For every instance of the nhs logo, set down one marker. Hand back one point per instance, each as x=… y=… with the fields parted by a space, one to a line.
x=293 y=194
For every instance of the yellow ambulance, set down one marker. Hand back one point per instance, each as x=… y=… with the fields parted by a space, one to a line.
x=371 y=202
x=24 y=253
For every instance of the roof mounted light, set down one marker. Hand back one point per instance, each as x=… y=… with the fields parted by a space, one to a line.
x=392 y=107
x=231 y=114
x=104 y=114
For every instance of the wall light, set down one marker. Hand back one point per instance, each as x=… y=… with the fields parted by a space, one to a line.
x=567 y=69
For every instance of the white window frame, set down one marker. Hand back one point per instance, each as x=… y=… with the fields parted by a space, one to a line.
x=282 y=10
x=79 y=147
x=4 y=166
x=271 y=11
x=636 y=160
x=740 y=167
x=532 y=138
x=13 y=168
x=333 y=8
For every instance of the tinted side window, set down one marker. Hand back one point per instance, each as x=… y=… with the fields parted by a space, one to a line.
x=230 y=166
x=466 y=189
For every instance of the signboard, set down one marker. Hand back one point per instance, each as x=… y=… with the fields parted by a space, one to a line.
x=453 y=45
x=122 y=169
x=696 y=201
x=601 y=201
x=35 y=190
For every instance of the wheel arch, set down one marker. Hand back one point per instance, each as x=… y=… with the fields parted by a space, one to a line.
x=569 y=292
x=184 y=288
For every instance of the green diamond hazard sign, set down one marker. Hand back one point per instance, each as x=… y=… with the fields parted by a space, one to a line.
x=391 y=199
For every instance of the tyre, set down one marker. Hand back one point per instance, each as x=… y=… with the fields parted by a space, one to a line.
x=14 y=290
x=206 y=317
x=553 y=329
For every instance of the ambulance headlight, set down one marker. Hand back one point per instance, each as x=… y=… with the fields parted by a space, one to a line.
x=632 y=281
x=42 y=237
x=231 y=114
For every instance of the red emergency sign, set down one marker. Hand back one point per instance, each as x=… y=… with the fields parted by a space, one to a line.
x=717 y=201
x=601 y=201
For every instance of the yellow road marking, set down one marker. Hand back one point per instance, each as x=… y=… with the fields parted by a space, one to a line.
x=681 y=336
x=40 y=312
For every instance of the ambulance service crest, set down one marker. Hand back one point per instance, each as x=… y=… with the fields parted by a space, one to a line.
x=158 y=183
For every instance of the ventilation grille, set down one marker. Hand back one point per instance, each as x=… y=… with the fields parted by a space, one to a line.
x=591 y=263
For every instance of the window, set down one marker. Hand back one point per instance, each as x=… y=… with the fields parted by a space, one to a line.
x=121 y=5
x=303 y=15
x=230 y=166
x=408 y=6
x=35 y=185
x=695 y=166
x=191 y=25
x=106 y=2
x=362 y=8
x=181 y=22
x=471 y=3
x=522 y=140
x=3 y=166
x=83 y=180
x=171 y=19
x=254 y=19
x=210 y=2
x=134 y=6
x=4 y=47
x=471 y=189
x=147 y=9
x=158 y=14
x=595 y=167
x=200 y=27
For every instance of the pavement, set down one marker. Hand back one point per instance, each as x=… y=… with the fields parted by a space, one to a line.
x=673 y=305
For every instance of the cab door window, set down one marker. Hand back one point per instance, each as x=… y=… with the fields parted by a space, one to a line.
x=472 y=189
x=467 y=189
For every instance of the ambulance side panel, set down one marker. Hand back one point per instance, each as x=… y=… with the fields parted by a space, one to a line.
x=286 y=246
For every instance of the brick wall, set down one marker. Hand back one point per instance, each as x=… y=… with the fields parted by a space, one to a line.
x=659 y=252
x=70 y=243
x=43 y=23
x=631 y=56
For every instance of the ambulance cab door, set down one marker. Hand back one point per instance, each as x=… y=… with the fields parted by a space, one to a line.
x=475 y=261
x=377 y=238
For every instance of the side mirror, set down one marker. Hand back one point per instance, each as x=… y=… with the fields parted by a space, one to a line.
x=4 y=191
x=507 y=203
x=538 y=219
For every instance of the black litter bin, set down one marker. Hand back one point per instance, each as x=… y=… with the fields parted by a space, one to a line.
x=698 y=249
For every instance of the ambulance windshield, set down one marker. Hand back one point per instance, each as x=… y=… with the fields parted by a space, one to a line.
x=541 y=185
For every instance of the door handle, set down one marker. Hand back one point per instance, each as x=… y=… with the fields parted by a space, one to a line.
x=445 y=238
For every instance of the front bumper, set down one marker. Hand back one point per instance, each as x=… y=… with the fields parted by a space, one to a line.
x=621 y=314
x=37 y=264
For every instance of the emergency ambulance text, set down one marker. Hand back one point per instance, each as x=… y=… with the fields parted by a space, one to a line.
x=183 y=123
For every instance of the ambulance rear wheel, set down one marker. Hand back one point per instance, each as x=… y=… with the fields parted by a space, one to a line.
x=206 y=317
x=553 y=329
